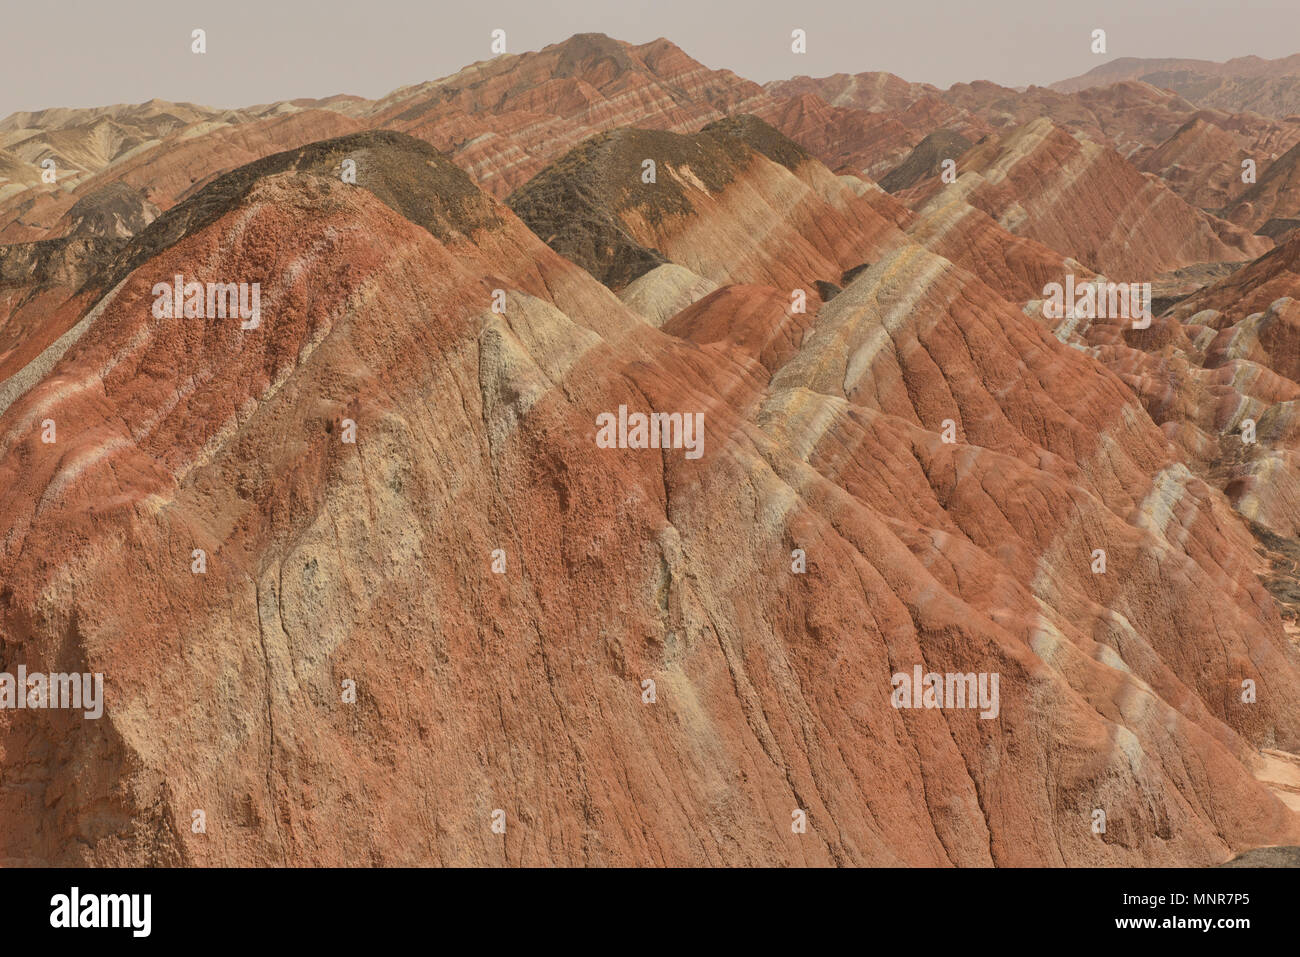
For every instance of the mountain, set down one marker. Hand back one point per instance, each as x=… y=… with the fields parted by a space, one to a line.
x=1274 y=196
x=872 y=92
x=166 y=167
x=1270 y=87
x=377 y=309
x=400 y=557
x=1197 y=152
x=1219 y=372
x=504 y=119
x=1202 y=162
x=1085 y=201
x=714 y=194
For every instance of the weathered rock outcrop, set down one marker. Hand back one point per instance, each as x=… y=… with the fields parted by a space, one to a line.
x=1085 y=201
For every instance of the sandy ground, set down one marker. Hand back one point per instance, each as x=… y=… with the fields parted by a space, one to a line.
x=1280 y=770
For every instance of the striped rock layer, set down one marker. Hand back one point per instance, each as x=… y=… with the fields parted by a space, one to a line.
x=473 y=361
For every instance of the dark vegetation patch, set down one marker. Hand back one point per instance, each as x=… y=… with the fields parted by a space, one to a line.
x=66 y=261
x=406 y=174
x=114 y=206
x=926 y=159
x=757 y=135
x=1161 y=303
x=827 y=290
x=581 y=53
x=1283 y=577
x=852 y=274
x=1278 y=228
x=576 y=204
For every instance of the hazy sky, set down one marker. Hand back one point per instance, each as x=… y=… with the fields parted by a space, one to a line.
x=95 y=52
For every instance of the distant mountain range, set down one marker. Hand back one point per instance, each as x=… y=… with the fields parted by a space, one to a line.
x=1270 y=87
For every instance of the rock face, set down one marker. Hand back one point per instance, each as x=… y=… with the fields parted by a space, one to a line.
x=926 y=160
x=1202 y=162
x=736 y=203
x=868 y=123
x=1220 y=374
x=1275 y=196
x=160 y=151
x=506 y=118
x=389 y=573
x=1084 y=200
x=665 y=291
x=116 y=210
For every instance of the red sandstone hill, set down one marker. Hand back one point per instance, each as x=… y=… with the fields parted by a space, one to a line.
x=1195 y=150
x=946 y=460
x=1086 y=201
x=737 y=203
x=1202 y=162
x=1219 y=372
x=163 y=168
x=330 y=561
x=871 y=92
x=505 y=118
x=1252 y=288
x=1271 y=205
